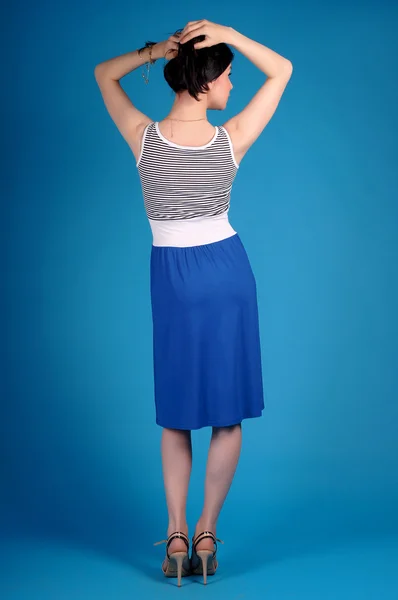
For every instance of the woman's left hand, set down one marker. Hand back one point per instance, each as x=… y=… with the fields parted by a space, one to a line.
x=167 y=49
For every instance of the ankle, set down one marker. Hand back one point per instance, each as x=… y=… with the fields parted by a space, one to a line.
x=205 y=525
x=177 y=526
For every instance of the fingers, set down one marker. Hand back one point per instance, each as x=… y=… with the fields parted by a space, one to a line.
x=200 y=45
x=192 y=23
x=171 y=51
x=189 y=28
x=191 y=34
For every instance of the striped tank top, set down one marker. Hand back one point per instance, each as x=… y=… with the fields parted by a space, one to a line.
x=186 y=189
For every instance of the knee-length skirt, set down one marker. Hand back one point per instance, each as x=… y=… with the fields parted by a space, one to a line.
x=206 y=339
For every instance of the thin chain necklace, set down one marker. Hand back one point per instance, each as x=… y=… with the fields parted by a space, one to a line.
x=187 y=120
x=184 y=121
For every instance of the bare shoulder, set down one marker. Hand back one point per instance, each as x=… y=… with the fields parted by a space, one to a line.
x=236 y=141
x=246 y=126
x=136 y=143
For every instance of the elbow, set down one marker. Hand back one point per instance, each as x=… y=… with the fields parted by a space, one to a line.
x=289 y=66
x=286 y=69
x=98 y=71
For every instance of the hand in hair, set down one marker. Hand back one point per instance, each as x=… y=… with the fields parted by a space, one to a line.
x=167 y=49
x=213 y=33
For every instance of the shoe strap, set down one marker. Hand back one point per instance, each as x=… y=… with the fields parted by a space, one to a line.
x=204 y=535
x=172 y=536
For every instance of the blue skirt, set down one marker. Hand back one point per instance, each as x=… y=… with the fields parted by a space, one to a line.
x=206 y=342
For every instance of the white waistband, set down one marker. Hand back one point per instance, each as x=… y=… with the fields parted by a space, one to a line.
x=191 y=232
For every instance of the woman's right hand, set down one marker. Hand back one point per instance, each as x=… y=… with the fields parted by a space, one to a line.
x=215 y=34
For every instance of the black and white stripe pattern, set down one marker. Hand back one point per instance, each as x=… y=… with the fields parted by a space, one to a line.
x=185 y=182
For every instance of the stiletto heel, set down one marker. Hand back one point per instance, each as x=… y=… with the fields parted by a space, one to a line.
x=176 y=564
x=205 y=555
x=204 y=561
x=179 y=558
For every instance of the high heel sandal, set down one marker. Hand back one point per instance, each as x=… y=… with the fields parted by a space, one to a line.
x=204 y=561
x=176 y=564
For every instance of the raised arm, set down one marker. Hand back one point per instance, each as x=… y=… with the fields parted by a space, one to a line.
x=128 y=119
x=124 y=114
x=246 y=126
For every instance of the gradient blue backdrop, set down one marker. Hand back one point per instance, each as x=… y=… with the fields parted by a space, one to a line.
x=315 y=203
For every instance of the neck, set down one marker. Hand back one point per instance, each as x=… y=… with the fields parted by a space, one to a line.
x=186 y=108
x=171 y=117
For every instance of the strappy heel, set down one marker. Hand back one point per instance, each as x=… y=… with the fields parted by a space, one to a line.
x=176 y=564
x=204 y=561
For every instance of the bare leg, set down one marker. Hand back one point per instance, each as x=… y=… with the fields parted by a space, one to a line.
x=222 y=461
x=176 y=446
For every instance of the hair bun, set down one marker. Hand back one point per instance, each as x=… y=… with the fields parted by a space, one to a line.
x=186 y=47
x=189 y=46
x=191 y=69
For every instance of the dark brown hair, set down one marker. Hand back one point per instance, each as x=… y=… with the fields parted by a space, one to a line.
x=192 y=69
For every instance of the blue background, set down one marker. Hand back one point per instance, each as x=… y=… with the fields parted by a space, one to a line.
x=312 y=510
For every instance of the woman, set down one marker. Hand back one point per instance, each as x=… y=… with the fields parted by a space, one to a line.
x=207 y=359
